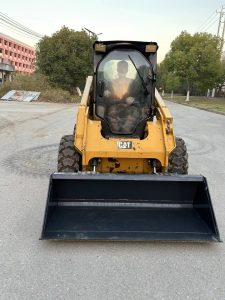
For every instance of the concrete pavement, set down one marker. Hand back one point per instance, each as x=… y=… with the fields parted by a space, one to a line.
x=34 y=269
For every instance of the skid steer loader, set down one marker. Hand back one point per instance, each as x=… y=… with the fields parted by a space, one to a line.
x=122 y=175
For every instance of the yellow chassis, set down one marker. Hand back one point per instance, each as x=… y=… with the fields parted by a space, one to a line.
x=157 y=144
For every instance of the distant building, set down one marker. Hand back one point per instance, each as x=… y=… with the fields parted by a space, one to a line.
x=15 y=56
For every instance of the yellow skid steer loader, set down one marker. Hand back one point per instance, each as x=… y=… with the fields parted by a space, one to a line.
x=122 y=175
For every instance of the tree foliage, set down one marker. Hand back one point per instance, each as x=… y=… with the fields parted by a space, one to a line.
x=162 y=72
x=166 y=80
x=196 y=61
x=173 y=82
x=66 y=58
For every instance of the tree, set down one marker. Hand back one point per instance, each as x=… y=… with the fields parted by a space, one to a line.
x=166 y=81
x=66 y=58
x=196 y=61
x=172 y=83
x=161 y=76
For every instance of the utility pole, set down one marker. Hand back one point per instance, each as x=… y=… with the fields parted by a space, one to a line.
x=221 y=15
x=222 y=40
x=221 y=21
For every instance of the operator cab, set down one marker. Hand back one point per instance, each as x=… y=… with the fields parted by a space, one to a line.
x=125 y=83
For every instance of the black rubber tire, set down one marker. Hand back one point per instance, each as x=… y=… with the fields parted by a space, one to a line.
x=68 y=158
x=178 y=159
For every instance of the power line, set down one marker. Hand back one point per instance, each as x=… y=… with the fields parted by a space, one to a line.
x=210 y=21
x=16 y=25
x=206 y=21
x=12 y=22
x=211 y=24
x=18 y=32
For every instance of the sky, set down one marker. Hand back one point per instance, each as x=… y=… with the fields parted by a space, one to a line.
x=160 y=21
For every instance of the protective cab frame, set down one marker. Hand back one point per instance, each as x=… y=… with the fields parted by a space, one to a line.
x=159 y=138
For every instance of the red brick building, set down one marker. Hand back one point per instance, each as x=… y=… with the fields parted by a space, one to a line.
x=19 y=55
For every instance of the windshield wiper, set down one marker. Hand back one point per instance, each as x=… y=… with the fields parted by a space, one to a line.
x=141 y=78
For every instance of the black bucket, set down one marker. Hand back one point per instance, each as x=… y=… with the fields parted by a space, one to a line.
x=129 y=208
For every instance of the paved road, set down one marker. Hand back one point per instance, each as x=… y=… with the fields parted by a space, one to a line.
x=33 y=269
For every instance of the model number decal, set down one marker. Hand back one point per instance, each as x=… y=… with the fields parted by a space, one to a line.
x=124 y=145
